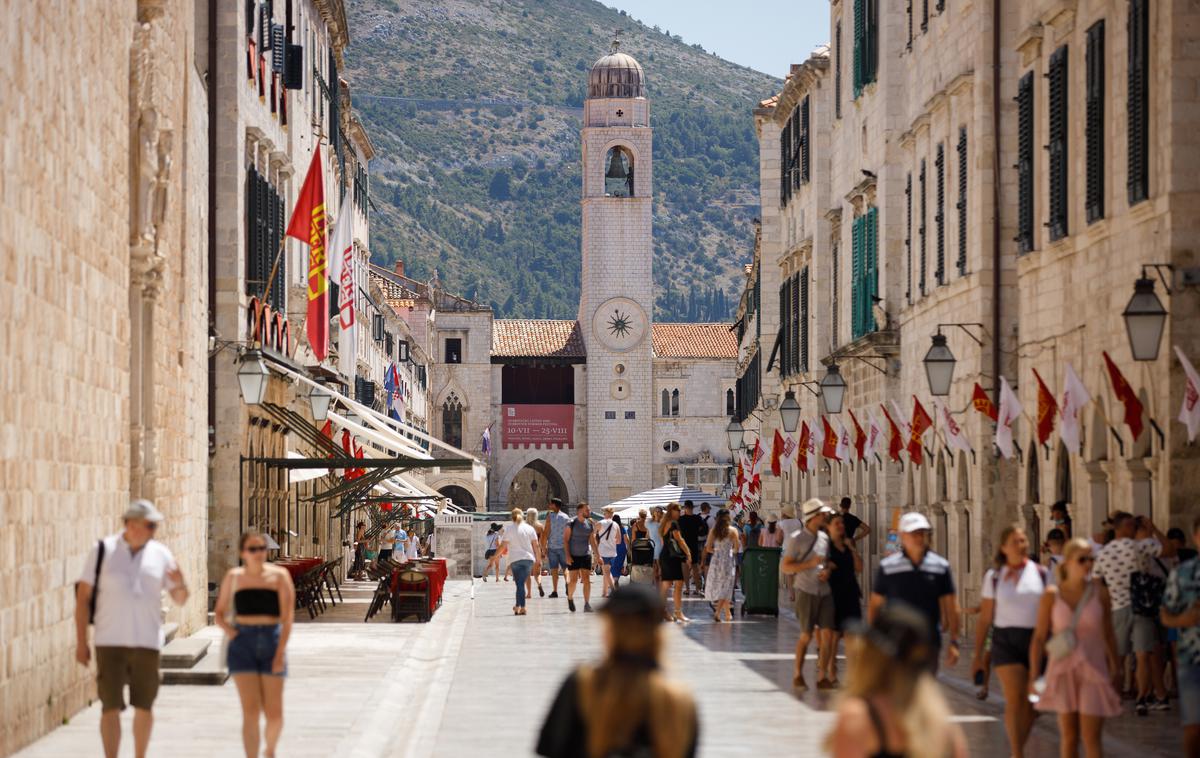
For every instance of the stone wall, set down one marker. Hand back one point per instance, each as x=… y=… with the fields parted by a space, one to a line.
x=106 y=294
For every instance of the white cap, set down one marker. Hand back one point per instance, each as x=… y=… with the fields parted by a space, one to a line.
x=142 y=510
x=914 y=522
x=814 y=506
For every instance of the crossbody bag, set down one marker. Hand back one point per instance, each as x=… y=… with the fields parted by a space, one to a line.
x=1063 y=643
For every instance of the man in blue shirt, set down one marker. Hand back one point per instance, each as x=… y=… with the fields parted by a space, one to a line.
x=1181 y=610
x=552 y=541
x=920 y=578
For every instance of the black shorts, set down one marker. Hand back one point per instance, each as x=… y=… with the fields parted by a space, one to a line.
x=487 y=554
x=1010 y=644
x=581 y=563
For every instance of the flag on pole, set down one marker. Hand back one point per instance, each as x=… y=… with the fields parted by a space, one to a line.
x=777 y=454
x=1075 y=398
x=983 y=403
x=308 y=225
x=874 y=431
x=1189 y=412
x=803 y=446
x=895 y=441
x=921 y=421
x=956 y=438
x=860 y=437
x=1125 y=393
x=1010 y=411
x=843 y=443
x=1047 y=407
x=829 y=441
x=755 y=460
x=815 y=444
x=341 y=270
x=789 y=450
x=486 y=441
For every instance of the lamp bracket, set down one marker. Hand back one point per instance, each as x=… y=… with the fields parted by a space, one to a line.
x=978 y=340
x=1158 y=269
x=872 y=365
x=809 y=386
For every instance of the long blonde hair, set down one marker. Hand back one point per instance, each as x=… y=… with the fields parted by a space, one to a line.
x=1073 y=547
x=531 y=518
x=517 y=516
x=625 y=691
x=917 y=702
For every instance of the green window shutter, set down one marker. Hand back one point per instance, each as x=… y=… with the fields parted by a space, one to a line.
x=908 y=241
x=803 y=351
x=856 y=278
x=921 y=230
x=962 y=201
x=860 y=46
x=872 y=270
x=1058 y=131
x=1025 y=163
x=1138 y=106
x=939 y=214
x=784 y=368
x=1095 y=122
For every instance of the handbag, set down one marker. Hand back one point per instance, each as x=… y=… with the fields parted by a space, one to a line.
x=223 y=655
x=673 y=548
x=1146 y=591
x=1063 y=643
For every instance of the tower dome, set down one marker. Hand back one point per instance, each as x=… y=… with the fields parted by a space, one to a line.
x=616 y=75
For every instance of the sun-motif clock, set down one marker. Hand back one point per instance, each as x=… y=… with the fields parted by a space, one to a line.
x=619 y=324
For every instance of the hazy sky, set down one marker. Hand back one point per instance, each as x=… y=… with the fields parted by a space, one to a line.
x=767 y=35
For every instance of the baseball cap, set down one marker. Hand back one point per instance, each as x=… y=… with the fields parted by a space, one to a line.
x=914 y=522
x=142 y=510
x=814 y=506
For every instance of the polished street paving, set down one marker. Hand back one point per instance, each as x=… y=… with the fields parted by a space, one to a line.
x=477 y=681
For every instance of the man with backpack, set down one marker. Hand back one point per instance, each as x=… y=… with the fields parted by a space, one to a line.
x=120 y=593
x=608 y=534
x=1124 y=567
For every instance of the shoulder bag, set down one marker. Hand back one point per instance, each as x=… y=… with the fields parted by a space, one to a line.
x=1063 y=644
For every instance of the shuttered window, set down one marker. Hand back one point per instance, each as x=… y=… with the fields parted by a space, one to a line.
x=1095 y=122
x=1138 y=106
x=803 y=336
x=834 y=294
x=785 y=157
x=785 y=328
x=804 y=141
x=264 y=234
x=962 y=201
x=908 y=256
x=1025 y=163
x=797 y=145
x=865 y=283
x=909 y=9
x=939 y=214
x=837 y=70
x=1057 y=105
x=797 y=365
x=924 y=15
x=866 y=43
x=921 y=229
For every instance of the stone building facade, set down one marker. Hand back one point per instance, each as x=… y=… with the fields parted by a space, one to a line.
x=905 y=194
x=105 y=280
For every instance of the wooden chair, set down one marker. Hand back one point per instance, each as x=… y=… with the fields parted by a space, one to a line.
x=411 y=597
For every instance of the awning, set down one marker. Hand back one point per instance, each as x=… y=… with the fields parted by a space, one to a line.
x=661 y=496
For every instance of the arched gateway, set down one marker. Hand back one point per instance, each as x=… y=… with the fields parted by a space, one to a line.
x=534 y=485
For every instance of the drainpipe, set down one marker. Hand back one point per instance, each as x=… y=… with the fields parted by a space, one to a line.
x=212 y=213
x=996 y=289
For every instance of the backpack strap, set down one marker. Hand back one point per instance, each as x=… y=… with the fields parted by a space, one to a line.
x=96 y=585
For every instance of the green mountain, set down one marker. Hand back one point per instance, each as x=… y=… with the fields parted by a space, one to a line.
x=474 y=107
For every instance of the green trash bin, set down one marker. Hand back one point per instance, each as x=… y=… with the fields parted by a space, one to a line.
x=760 y=580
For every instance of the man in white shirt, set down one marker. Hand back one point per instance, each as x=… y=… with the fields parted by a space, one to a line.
x=608 y=534
x=387 y=538
x=120 y=591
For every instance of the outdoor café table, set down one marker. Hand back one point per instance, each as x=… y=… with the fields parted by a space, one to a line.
x=297 y=566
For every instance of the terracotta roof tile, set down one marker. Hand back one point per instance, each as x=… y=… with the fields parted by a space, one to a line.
x=694 y=341
x=770 y=102
x=537 y=338
x=395 y=294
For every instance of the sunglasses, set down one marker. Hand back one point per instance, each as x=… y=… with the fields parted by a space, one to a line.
x=256 y=549
x=1085 y=559
x=152 y=525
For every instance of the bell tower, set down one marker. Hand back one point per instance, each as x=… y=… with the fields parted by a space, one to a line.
x=616 y=302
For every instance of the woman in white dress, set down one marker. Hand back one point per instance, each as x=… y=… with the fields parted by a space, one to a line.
x=722 y=547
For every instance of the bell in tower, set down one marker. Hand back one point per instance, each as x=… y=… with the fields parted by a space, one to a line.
x=618 y=179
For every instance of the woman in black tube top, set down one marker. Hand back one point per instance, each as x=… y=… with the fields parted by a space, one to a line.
x=255 y=608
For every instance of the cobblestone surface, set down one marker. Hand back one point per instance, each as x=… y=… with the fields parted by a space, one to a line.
x=477 y=681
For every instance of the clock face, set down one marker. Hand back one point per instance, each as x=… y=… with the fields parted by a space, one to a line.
x=619 y=324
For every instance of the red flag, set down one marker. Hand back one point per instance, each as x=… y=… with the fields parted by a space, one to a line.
x=920 y=422
x=983 y=403
x=1047 y=407
x=860 y=437
x=1125 y=393
x=829 y=449
x=802 y=446
x=308 y=226
x=776 y=453
x=895 y=443
x=755 y=458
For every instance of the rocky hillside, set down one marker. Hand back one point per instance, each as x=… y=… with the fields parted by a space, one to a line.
x=474 y=107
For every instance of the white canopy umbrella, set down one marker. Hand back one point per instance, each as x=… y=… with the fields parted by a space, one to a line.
x=660 y=496
x=296 y=475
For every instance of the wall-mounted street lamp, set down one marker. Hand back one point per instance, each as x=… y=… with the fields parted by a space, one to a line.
x=319 y=397
x=736 y=433
x=252 y=377
x=833 y=389
x=789 y=412
x=1145 y=316
x=939 y=361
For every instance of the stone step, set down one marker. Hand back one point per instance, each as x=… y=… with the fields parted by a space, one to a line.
x=208 y=670
x=170 y=629
x=183 y=653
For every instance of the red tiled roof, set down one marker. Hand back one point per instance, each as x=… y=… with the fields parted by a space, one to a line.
x=537 y=338
x=770 y=102
x=694 y=341
x=395 y=294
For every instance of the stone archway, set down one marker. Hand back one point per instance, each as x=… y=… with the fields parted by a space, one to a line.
x=534 y=485
x=460 y=497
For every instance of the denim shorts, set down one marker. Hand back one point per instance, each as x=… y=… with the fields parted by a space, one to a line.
x=253 y=650
x=1189 y=695
x=556 y=558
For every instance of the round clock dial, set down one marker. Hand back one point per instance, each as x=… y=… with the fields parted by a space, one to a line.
x=619 y=324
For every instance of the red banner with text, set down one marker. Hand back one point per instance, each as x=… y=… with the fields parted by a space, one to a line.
x=538 y=426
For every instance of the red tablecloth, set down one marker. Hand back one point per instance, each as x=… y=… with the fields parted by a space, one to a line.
x=435 y=570
x=298 y=566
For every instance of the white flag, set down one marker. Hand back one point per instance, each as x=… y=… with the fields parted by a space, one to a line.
x=341 y=270
x=789 y=452
x=902 y=420
x=955 y=437
x=874 y=433
x=816 y=440
x=1189 y=413
x=1074 y=399
x=1010 y=411
x=843 y=442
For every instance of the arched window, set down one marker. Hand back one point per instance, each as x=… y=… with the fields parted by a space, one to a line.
x=675 y=402
x=618 y=173
x=452 y=421
x=730 y=404
x=666 y=403
x=671 y=446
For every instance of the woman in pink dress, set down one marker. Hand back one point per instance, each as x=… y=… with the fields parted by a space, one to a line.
x=1078 y=685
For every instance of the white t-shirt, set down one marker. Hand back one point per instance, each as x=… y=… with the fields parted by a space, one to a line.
x=387 y=539
x=129 y=603
x=1016 y=598
x=608 y=534
x=520 y=539
x=414 y=545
